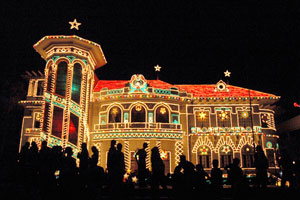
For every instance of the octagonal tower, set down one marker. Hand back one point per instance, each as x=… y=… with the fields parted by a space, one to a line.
x=69 y=80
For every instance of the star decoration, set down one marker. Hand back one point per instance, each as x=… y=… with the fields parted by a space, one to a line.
x=134 y=179
x=126 y=176
x=157 y=68
x=227 y=73
x=201 y=115
x=164 y=155
x=75 y=24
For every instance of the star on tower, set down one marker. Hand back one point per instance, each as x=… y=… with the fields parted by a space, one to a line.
x=75 y=24
x=227 y=73
x=157 y=68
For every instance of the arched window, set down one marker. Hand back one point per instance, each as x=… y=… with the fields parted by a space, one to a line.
x=138 y=113
x=76 y=83
x=226 y=155
x=204 y=156
x=115 y=114
x=61 y=78
x=162 y=115
x=247 y=156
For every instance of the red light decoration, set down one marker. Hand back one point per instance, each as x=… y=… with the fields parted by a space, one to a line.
x=296 y=105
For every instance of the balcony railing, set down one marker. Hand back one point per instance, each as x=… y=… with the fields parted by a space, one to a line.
x=138 y=125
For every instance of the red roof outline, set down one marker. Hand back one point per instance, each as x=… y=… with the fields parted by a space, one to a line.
x=198 y=90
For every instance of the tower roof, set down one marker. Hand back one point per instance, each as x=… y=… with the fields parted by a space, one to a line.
x=47 y=42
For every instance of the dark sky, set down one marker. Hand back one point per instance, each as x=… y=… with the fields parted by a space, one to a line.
x=258 y=41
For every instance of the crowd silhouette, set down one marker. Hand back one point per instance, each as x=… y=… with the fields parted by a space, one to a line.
x=54 y=173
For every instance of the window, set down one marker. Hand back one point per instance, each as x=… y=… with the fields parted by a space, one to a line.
x=226 y=155
x=223 y=116
x=244 y=119
x=61 y=78
x=115 y=114
x=138 y=113
x=204 y=156
x=40 y=88
x=247 y=155
x=202 y=119
x=162 y=115
x=76 y=83
x=57 y=122
x=73 y=128
x=271 y=157
x=37 y=118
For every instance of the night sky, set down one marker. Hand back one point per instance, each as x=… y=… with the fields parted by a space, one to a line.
x=258 y=41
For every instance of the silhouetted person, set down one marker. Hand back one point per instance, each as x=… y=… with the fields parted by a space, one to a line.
x=140 y=157
x=94 y=157
x=158 y=170
x=235 y=177
x=216 y=179
x=261 y=165
x=118 y=172
x=33 y=161
x=45 y=169
x=200 y=178
x=68 y=174
x=95 y=176
x=83 y=158
x=178 y=183
x=110 y=155
x=188 y=174
x=24 y=155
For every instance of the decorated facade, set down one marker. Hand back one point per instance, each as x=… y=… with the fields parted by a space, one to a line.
x=67 y=105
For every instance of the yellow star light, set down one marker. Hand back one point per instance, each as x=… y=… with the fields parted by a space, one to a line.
x=126 y=176
x=75 y=24
x=134 y=179
x=157 y=68
x=202 y=115
x=227 y=73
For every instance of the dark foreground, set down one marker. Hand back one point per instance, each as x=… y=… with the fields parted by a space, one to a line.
x=135 y=192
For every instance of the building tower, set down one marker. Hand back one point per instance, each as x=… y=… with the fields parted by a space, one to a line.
x=69 y=80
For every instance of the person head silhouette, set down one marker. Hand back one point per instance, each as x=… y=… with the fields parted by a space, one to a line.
x=215 y=163
x=113 y=143
x=119 y=146
x=69 y=151
x=145 y=145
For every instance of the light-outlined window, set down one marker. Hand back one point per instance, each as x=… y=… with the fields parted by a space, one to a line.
x=73 y=128
x=248 y=156
x=57 y=121
x=226 y=155
x=40 y=88
x=224 y=117
x=76 y=83
x=204 y=155
x=162 y=114
x=138 y=113
x=244 y=117
x=115 y=115
x=61 y=78
x=202 y=119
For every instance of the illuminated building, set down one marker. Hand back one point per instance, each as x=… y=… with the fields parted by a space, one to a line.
x=203 y=122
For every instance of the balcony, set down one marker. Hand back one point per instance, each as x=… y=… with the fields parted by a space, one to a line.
x=138 y=125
